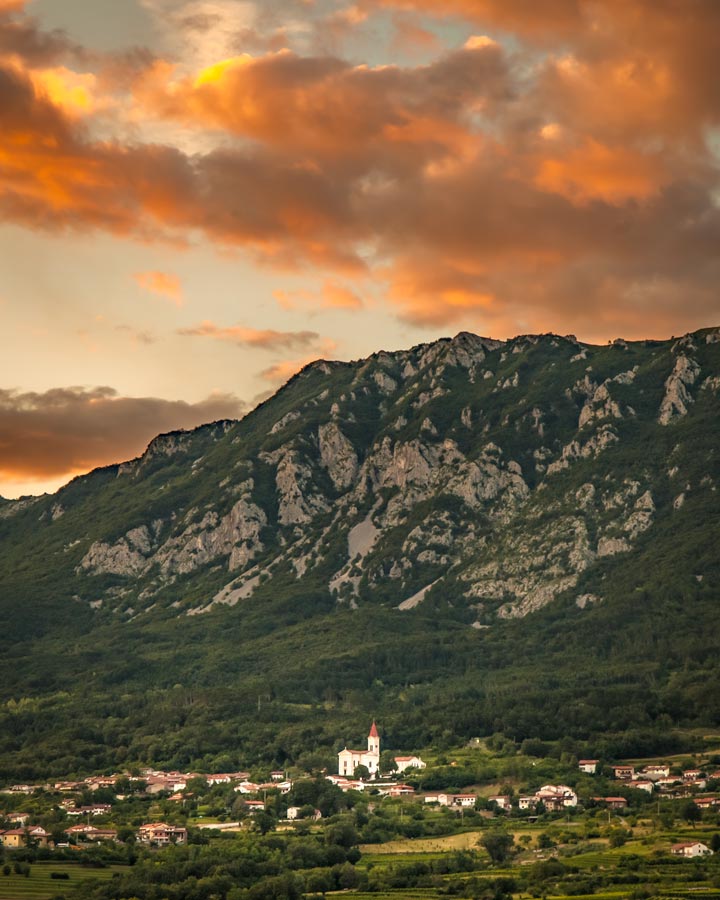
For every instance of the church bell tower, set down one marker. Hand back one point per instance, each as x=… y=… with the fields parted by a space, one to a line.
x=374 y=740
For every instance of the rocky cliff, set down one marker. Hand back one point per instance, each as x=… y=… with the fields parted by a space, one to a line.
x=489 y=476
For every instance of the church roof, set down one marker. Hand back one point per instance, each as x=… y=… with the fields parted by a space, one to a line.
x=374 y=731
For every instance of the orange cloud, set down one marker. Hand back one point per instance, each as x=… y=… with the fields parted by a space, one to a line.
x=282 y=371
x=74 y=93
x=595 y=171
x=500 y=181
x=327 y=107
x=162 y=284
x=332 y=296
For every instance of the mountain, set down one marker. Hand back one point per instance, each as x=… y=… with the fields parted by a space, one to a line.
x=450 y=517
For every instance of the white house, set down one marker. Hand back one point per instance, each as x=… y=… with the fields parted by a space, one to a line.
x=588 y=766
x=642 y=784
x=690 y=849
x=408 y=762
x=349 y=760
x=556 y=797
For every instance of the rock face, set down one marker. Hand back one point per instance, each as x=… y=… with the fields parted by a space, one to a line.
x=492 y=477
x=677 y=397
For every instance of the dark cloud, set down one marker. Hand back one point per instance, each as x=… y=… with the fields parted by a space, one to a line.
x=65 y=431
x=264 y=339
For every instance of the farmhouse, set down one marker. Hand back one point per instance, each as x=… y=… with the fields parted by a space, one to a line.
x=588 y=766
x=690 y=849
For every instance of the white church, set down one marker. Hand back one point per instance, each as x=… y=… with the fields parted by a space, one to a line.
x=349 y=760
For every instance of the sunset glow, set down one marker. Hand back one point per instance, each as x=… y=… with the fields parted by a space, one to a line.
x=202 y=199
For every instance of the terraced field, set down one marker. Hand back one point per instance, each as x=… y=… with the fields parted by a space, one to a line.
x=40 y=885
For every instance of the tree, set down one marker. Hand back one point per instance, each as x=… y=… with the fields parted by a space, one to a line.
x=691 y=812
x=361 y=772
x=341 y=833
x=263 y=822
x=499 y=845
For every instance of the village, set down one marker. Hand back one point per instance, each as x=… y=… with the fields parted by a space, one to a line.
x=67 y=816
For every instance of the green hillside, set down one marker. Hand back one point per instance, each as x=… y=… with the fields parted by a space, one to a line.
x=544 y=513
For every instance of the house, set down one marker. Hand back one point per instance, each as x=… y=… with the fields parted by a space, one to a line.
x=13 y=838
x=588 y=766
x=224 y=778
x=349 y=760
x=160 y=834
x=691 y=774
x=277 y=775
x=623 y=773
x=18 y=818
x=38 y=836
x=254 y=806
x=67 y=787
x=642 y=785
x=463 y=800
x=246 y=787
x=655 y=772
x=98 y=782
x=97 y=809
x=293 y=813
x=690 y=849
x=556 y=797
x=502 y=802
x=91 y=833
x=612 y=802
x=408 y=762
x=707 y=802
x=526 y=803
x=346 y=784
x=401 y=790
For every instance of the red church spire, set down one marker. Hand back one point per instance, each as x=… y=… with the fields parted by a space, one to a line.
x=374 y=731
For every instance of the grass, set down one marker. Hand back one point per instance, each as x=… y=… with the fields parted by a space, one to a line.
x=467 y=840
x=40 y=886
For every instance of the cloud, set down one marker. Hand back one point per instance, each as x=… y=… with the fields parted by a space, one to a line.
x=496 y=184
x=281 y=371
x=326 y=106
x=137 y=335
x=66 y=431
x=264 y=339
x=162 y=284
x=331 y=296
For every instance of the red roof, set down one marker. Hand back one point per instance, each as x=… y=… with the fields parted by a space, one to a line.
x=374 y=731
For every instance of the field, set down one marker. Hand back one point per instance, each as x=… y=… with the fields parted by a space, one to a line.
x=39 y=885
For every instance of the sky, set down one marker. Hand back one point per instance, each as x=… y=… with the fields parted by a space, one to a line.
x=198 y=197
